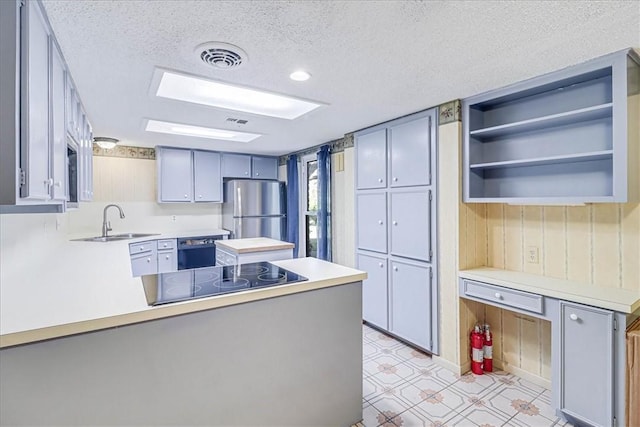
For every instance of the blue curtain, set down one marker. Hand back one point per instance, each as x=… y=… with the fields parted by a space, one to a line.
x=293 y=206
x=324 y=203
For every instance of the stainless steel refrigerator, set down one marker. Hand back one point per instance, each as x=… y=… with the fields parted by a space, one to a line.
x=254 y=208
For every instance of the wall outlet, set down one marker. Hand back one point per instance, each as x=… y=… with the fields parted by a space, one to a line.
x=173 y=218
x=533 y=255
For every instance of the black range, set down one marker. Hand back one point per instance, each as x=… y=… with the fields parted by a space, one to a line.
x=196 y=283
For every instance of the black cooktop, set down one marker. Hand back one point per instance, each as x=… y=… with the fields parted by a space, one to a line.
x=210 y=281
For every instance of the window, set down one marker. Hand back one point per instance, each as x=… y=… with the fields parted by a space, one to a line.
x=309 y=190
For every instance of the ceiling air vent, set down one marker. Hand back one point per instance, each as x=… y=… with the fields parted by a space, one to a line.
x=223 y=56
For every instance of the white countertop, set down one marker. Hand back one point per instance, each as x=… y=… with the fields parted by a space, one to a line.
x=158 y=236
x=92 y=289
x=616 y=299
x=257 y=244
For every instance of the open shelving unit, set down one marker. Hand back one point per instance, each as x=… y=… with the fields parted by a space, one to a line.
x=567 y=137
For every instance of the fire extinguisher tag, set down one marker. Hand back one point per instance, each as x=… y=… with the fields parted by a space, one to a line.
x=477 y=355
x=488 y=352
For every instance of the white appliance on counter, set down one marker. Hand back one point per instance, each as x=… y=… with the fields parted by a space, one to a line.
x=254 y=208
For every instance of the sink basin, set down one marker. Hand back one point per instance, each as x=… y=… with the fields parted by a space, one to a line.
x=114 y=237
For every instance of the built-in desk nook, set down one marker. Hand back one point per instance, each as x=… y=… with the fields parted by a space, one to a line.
x=588 y=324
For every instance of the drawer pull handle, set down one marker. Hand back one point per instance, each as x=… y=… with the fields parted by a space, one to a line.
x=395 y=179
x=573 y=316
x=380 y=222
x=381 y=265
x=498 y=295
x=395 y=222
x=142 y=248
x=165 y=245
x=395 y=268
x=167 y=257
x=379 y=179
x=148 y=259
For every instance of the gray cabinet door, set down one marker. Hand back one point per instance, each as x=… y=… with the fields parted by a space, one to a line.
x=371 y=156
x=371 y=224
x=236 y=165
x=264 y=167
x=411 y=224
x=58 y=125
x=207 y=177
x=86 y=157
x=167 y=261
x=410 y=148
x=35 y=104
x=374 y=290
x=586 y=364
x=410 y=303
x=176 y=176
x=145 y=263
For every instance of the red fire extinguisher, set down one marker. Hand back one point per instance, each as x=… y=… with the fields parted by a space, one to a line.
x=488 y=349
x=477 y=347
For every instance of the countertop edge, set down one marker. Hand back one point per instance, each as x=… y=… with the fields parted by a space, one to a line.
x=170 y=310
x=485 y=275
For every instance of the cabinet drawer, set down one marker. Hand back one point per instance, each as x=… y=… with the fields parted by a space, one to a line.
x=500 y=296
x=224 y=258
x=136 y=248
x=166 y=244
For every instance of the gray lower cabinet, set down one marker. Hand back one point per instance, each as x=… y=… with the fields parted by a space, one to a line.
x=374 y=290
x=586 y=364
x=410 y=302
x=153 y=256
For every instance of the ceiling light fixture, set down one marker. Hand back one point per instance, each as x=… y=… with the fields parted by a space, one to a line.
x=199 y=131
x=300 y=76
x=105 y=142
x=223 y=95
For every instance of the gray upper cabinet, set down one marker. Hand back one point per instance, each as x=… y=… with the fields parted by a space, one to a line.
x=374 y=290
x=247 y=166
x=35 y=111
x=371 y=223
x=567 y=137
x=188 y=175
x=206 y=171
x=586 y=364
x=410 y=153
x=411 y=224
x=410 y=302
x=175 y=175
x=37 y=102
x=236 y=165
x=372 y=160
x=264 y=167
x=58 y=124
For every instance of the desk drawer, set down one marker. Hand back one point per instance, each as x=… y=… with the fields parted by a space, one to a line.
x=508 y=298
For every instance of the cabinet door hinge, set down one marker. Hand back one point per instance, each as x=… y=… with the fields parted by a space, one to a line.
x=430 y=193
x=615 y=326
x=615 y=422
x=430 y=271
x=21 y=3
x=23 y=177
x=430 y=254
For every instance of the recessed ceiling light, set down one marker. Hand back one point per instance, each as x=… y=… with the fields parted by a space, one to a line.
x=223 y=95
x=199 y=131
x=300 y=76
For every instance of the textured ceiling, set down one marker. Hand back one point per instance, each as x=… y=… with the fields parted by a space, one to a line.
x=371 y=61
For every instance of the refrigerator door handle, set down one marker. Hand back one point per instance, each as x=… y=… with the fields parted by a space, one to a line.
x=239 y=199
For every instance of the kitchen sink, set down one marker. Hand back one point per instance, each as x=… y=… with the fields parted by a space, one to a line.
x=114 y=237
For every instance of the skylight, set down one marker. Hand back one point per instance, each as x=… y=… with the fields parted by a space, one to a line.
x=223 y=95
x=199 y=131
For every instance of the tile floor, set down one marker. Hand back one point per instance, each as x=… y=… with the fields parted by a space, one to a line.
x=402 y=387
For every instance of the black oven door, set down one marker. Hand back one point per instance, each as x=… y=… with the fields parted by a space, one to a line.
x=196 y=252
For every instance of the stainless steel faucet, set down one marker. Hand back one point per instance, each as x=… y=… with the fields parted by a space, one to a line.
x=106 y=225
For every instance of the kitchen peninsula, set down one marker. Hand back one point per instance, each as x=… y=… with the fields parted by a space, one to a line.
x=282 y=355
